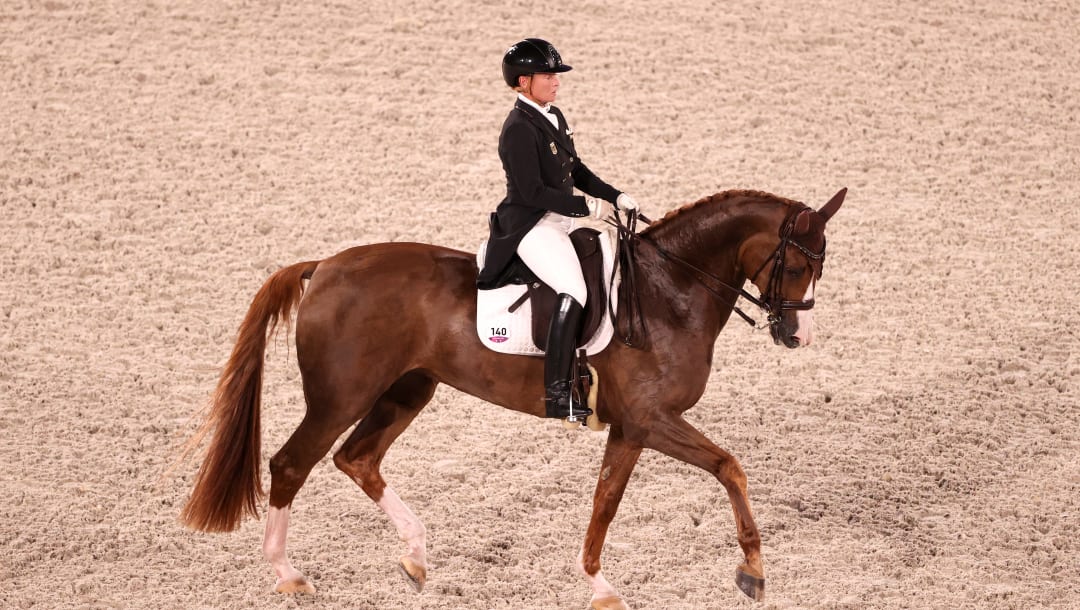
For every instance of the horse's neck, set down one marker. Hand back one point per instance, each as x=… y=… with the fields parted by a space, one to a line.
x=709 y=238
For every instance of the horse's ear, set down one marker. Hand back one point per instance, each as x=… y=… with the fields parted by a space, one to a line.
x=802 y=223
x=830 y=208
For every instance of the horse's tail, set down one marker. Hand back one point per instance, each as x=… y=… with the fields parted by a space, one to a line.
x=228 y=486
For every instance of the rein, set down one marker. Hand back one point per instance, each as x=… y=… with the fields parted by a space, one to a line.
x=626 y=256
x=772 y=303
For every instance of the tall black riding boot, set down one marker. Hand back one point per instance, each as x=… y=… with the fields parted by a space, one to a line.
x=559 y=359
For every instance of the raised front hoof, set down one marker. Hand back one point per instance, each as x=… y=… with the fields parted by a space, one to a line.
x=294 y=585
x=751 y=585
x=610 y=603
x=414 y=574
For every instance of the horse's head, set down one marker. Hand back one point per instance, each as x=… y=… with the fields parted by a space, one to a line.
x=786 y=266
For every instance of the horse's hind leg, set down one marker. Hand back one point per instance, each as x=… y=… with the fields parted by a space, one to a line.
x=289 y=579
x=289 y=468
x=361 y=455
x=332 y=408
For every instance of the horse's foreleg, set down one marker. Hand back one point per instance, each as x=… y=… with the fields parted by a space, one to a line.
x=675 y=437
x=361 y=455
x=620 y=457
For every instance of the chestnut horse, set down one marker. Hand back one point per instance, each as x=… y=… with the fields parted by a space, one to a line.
x=379 y=326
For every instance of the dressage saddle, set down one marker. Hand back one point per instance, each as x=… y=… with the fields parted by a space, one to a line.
x=587 y=245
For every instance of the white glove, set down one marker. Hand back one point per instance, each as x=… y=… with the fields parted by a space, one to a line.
x=626 y=202
x=598 y=208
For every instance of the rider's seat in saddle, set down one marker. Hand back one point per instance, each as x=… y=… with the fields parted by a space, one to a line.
x=588 y=244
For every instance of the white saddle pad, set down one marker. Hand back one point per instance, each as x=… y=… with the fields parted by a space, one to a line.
x=511 y=333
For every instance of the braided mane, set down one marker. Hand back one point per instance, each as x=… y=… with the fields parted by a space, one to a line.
x=718 y=198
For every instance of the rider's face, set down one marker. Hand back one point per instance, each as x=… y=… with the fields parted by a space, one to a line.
x=541 y=87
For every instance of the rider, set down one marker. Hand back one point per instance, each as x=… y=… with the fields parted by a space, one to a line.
x=532 y=223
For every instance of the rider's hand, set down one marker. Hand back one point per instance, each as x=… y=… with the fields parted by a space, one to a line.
x=598 y=208
x=626 y=202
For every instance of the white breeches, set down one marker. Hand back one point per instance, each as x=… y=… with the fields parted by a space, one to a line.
x=547 y=250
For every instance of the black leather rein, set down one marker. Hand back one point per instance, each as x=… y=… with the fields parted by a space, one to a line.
x=772 y=302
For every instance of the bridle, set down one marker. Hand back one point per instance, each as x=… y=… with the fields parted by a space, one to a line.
x=771 y=301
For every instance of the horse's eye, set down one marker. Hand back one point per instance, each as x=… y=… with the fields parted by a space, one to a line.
x=793 y=272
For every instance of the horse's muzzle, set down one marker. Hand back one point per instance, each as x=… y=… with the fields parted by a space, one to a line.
x=783 y=334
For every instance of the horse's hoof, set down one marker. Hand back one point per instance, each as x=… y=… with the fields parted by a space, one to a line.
x=751 y=585
x=610 y=603
x=294 y=585
x=413 y=573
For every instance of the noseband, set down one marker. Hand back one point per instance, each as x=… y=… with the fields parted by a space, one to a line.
x=771 y=302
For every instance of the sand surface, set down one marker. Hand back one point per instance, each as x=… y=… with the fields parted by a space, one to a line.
x=158 y=160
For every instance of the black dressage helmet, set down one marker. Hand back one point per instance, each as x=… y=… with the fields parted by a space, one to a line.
x=530 y=56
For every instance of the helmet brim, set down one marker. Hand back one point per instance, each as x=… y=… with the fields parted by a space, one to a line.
x=546 y=70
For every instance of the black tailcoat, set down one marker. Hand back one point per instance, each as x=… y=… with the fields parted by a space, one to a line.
x=542 y=168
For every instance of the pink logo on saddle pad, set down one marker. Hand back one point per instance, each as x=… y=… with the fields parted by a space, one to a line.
x=496 y=339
